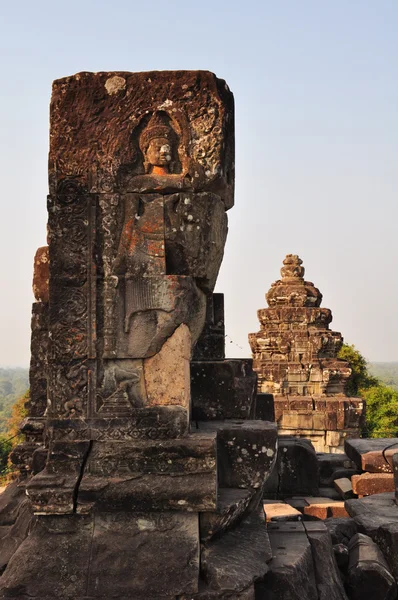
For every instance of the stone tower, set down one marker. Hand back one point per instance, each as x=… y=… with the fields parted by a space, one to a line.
x=295 y=358
x=146 y=487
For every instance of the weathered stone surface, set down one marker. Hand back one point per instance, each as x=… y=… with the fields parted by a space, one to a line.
x=371 y=512
x=295 y=357
x=386 y=537
x=153 y=556
x=296 y=471
x=167 y=374
x=327 y=575
x=223 y=389
x=239 y=557
x=211 y=342
x=10 y=502
x=341 y=530
x=195 y=235
x=154 y=307
x=65 y=543
x=16 y=533
x=264 y=407
x=145 y=476
x=373 y=455
x=332 y=466
x=231 y=506
x=291 y=573
x=368 y=572
x=372 y=483
x=41 y=274
x=156 y=422
x=53 y=490
x=246 y=451
x=156 y=554
x=196 y=107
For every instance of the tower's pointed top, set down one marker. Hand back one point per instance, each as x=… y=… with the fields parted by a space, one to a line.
x=292 y=268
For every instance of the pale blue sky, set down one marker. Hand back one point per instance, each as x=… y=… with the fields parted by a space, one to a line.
x=316 y=92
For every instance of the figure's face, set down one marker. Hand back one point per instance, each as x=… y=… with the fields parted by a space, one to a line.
x=159 y=152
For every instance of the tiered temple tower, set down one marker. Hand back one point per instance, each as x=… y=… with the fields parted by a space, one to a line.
x=295 y=358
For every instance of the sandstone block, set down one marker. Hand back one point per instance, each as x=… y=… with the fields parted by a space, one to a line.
x=223 y=389
x=371 y=512
x=53 y=490
x=291 y=571
x=344 y=487
x=326 y=509
x=373 y=455
x=246 y=451
x=296 y=471
x=239 y=557
x=327 y=576
x=372 y=483
x=167 y=374
x=145 y=476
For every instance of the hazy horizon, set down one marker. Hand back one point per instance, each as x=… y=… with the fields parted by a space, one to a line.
x=316 y=94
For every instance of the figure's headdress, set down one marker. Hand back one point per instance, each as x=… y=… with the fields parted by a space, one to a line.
x=158 y=127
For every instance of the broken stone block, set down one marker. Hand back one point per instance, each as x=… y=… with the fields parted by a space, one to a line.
x=281 y=511
x=296 y=472
x=368 y=573
x=291 y=571
x=231 y=506
x=223 y=389
x=53 y=490
x=327 y=575
x=246 y=451
x=371 y=512
x=16 y=533
x=239 y=557
x=341 y=529
x=344 y=487
x=323 y=510
x=372 y=483
x=145 y=476
x=373 y=455
x=167 y=374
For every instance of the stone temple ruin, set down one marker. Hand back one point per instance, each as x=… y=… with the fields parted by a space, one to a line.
x=295 y=358
x=150 y=468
